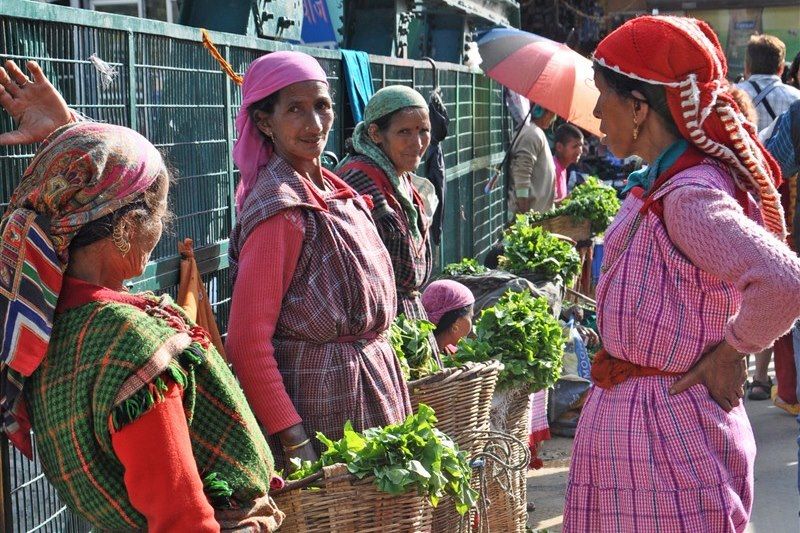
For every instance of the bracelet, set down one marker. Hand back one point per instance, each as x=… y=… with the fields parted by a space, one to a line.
x=293 y=447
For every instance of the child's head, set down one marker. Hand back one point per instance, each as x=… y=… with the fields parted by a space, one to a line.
x=449 y=305
x=569 y=144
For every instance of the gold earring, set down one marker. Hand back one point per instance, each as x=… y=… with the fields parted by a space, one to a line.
x=635 y=128
x=120 y=241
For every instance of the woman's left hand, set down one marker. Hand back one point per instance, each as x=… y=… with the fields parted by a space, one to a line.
x=723 y=371
x=35 y=105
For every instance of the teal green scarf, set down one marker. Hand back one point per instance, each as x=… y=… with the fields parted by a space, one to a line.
x=385 y=101
x=645 y=177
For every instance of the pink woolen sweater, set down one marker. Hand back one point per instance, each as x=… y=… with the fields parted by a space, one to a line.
x=266 y=267
x=708 y=226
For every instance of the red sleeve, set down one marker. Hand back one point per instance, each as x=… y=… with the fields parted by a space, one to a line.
x=160 y=471
x=266 y=267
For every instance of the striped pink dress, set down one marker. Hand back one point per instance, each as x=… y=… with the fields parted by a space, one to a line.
x=645 y=461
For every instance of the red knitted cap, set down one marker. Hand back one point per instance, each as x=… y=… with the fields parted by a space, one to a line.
x=684 y=55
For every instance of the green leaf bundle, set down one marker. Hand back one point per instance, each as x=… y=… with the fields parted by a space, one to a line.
x=529 y=249
x=410 y=340
x=521 y=332
x=592 y=200
x=466 y=267
x=411 y=455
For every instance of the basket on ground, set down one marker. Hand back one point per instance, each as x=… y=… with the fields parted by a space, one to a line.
x=461 y=398
x=574 y=228
x=506 y=489
x=335 y=500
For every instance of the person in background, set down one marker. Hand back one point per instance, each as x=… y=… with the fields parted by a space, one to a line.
x=764 y=63
x=763 y=66
x=531 y=168
x=696 y=275
x=793 y=73
x=783 y=142
x=449 y=305
x=313 y=285
x=782 y=139
x=568 y=151
x=139 y=423
x=745 y=104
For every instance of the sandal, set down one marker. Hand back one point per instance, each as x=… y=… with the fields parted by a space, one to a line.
x=760 y=390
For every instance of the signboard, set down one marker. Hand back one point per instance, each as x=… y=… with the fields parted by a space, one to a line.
x=317 y=27
x=743 y=24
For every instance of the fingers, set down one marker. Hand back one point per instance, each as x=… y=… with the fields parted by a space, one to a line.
x=15 y=137
x=8 y=84
x=36 y=72
x=19 y=77
x=5 y=99
x=689 y=379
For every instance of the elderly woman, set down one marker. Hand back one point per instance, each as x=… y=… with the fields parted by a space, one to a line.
x=139 y=422
x=696 y=274
x=387 y=148
x=313 y=286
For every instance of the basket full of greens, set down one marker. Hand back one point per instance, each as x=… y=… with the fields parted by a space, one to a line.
x=532 y=252
x=382 y=477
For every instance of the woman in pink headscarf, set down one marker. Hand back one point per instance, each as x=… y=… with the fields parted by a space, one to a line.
x=449 y=305
x=313 y=284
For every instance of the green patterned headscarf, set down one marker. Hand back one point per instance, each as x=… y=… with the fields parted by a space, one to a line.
x=385 y=101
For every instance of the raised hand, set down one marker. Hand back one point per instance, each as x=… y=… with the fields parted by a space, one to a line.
x=35 y=105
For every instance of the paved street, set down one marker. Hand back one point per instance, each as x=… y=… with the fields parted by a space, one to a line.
x=776 y=503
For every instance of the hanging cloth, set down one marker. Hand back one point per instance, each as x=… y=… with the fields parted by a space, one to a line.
x=358 y=78
x=434 y=160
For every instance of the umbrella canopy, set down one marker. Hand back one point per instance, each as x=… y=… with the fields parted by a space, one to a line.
x=546 y=72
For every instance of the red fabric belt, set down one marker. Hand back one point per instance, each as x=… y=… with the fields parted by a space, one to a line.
x=608 y=371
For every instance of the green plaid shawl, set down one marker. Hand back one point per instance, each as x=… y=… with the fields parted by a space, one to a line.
x=89 y=378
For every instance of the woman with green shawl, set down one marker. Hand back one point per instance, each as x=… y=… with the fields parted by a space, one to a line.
x=387 y=148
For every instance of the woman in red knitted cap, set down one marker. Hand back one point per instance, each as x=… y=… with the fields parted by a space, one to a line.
x=696 y=274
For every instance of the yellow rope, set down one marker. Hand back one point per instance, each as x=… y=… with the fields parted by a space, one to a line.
x=226 y=67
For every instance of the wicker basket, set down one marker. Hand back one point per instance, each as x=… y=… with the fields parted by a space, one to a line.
x=334 y=500
x=461 y=398
x=506 y=489
x=575 y=229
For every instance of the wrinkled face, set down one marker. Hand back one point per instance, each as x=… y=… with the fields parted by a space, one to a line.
x=300 y=122
x=146 y=235
x=406 y=138
x=570 y=151
x=616 y=119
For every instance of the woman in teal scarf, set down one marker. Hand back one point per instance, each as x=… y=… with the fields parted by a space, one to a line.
x=387 y=148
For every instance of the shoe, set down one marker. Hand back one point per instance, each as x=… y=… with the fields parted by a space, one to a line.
x=760 y=390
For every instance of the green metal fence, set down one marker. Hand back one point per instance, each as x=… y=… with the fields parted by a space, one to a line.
x=170 y=89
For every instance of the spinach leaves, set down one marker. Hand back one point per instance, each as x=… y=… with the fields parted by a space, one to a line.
x=411 y=455
x=411 y=342
x=521 y=332
x=529 y=249
x=466 y=267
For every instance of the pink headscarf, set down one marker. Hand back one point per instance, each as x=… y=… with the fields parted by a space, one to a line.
x=266 y=75
x=445 y=295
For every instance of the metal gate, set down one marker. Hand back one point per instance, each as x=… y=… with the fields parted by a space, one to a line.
x=170 y=89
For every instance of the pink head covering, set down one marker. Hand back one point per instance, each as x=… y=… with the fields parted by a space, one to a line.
x=445 y=295
x=266 y=75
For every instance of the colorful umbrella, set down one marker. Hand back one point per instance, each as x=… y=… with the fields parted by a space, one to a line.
x=546 y=72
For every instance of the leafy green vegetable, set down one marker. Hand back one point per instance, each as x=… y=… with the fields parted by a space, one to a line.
x=529 y=249
x=466 y=267
x=592 y=200
x=521 y=332
x=410 y=339
x=406 y=456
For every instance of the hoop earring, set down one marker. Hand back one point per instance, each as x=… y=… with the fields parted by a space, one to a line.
x=120 y=241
